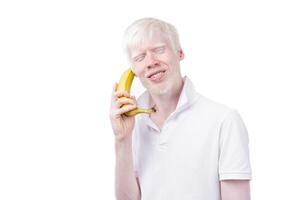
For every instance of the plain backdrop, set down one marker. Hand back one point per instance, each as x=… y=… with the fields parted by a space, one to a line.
x=60 y=58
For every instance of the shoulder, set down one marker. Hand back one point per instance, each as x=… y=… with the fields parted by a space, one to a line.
x=213 y=109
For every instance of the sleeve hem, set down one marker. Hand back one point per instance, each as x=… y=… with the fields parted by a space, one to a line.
x=235 y=176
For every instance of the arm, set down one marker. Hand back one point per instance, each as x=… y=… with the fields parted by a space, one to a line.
x=127 y=187
x=235 y=190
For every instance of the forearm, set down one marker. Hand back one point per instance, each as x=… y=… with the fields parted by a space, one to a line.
x=235 y=190
x=127 y=187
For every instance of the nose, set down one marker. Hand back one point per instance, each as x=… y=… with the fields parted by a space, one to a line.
x=151 y=60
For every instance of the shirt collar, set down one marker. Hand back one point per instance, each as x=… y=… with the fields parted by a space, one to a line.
x=187 y=96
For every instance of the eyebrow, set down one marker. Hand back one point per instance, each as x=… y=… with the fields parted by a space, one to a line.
x=137 y=56
x=158 y=46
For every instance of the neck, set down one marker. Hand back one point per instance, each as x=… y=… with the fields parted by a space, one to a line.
x=166 y=103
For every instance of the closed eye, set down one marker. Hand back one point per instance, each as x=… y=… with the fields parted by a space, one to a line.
x=159 y=50
x=139 y=58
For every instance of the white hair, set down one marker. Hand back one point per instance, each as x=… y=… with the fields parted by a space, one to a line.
x=145 y=29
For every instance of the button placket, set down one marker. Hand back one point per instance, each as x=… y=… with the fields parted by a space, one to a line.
x=163 y=137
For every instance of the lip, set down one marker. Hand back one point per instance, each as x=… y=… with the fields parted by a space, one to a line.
x=155 y=72
x=158 y=76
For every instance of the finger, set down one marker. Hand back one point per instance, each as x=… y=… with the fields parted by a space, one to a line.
x=133 y=98
x=121 y=94
x=124 y=100
x=114 y=89
x=125 y=109
x=115 y=86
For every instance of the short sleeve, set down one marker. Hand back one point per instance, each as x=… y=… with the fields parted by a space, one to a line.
x=234 y=161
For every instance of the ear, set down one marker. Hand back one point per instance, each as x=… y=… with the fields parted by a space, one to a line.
x=180 y=54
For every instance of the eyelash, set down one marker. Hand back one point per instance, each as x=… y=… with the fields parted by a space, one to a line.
x=159 y=50
x=156 y=50
x=139 y=58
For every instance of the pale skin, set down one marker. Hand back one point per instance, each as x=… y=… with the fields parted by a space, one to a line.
x=153 y=56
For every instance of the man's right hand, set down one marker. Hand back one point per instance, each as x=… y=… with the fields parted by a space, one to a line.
x=122 y=125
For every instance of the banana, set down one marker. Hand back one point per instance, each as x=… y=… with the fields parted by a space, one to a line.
x=125 y=85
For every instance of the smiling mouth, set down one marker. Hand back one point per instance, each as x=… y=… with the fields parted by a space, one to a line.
x=156 y=74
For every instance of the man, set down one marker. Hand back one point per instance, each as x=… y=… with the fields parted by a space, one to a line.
x=191 y=148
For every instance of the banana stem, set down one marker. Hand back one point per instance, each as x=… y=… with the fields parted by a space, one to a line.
x=140 y=110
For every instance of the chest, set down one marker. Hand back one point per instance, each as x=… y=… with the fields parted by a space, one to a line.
x=180 y=159
x=181 y=145
x=158 y=119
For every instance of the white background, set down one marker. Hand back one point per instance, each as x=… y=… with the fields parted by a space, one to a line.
x=59 y=60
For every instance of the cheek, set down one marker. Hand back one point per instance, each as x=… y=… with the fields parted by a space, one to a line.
x=171 y=61
x=169 y=57
x=137 y=70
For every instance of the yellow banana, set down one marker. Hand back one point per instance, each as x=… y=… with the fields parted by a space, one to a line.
x=125 y=85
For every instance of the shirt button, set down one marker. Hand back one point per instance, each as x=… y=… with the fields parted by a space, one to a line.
x=163 y=144
x=162 y=147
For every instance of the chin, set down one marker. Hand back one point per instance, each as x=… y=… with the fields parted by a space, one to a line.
x=160 y=89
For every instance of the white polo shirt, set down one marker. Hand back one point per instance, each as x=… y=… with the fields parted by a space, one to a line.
x=201 y=143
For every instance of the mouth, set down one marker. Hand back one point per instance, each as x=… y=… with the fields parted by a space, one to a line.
x=156 y=76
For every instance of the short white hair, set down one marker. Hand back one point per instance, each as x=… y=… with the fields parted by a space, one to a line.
x=145 y=29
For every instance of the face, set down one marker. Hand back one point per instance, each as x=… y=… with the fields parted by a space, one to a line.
x=156 y=64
